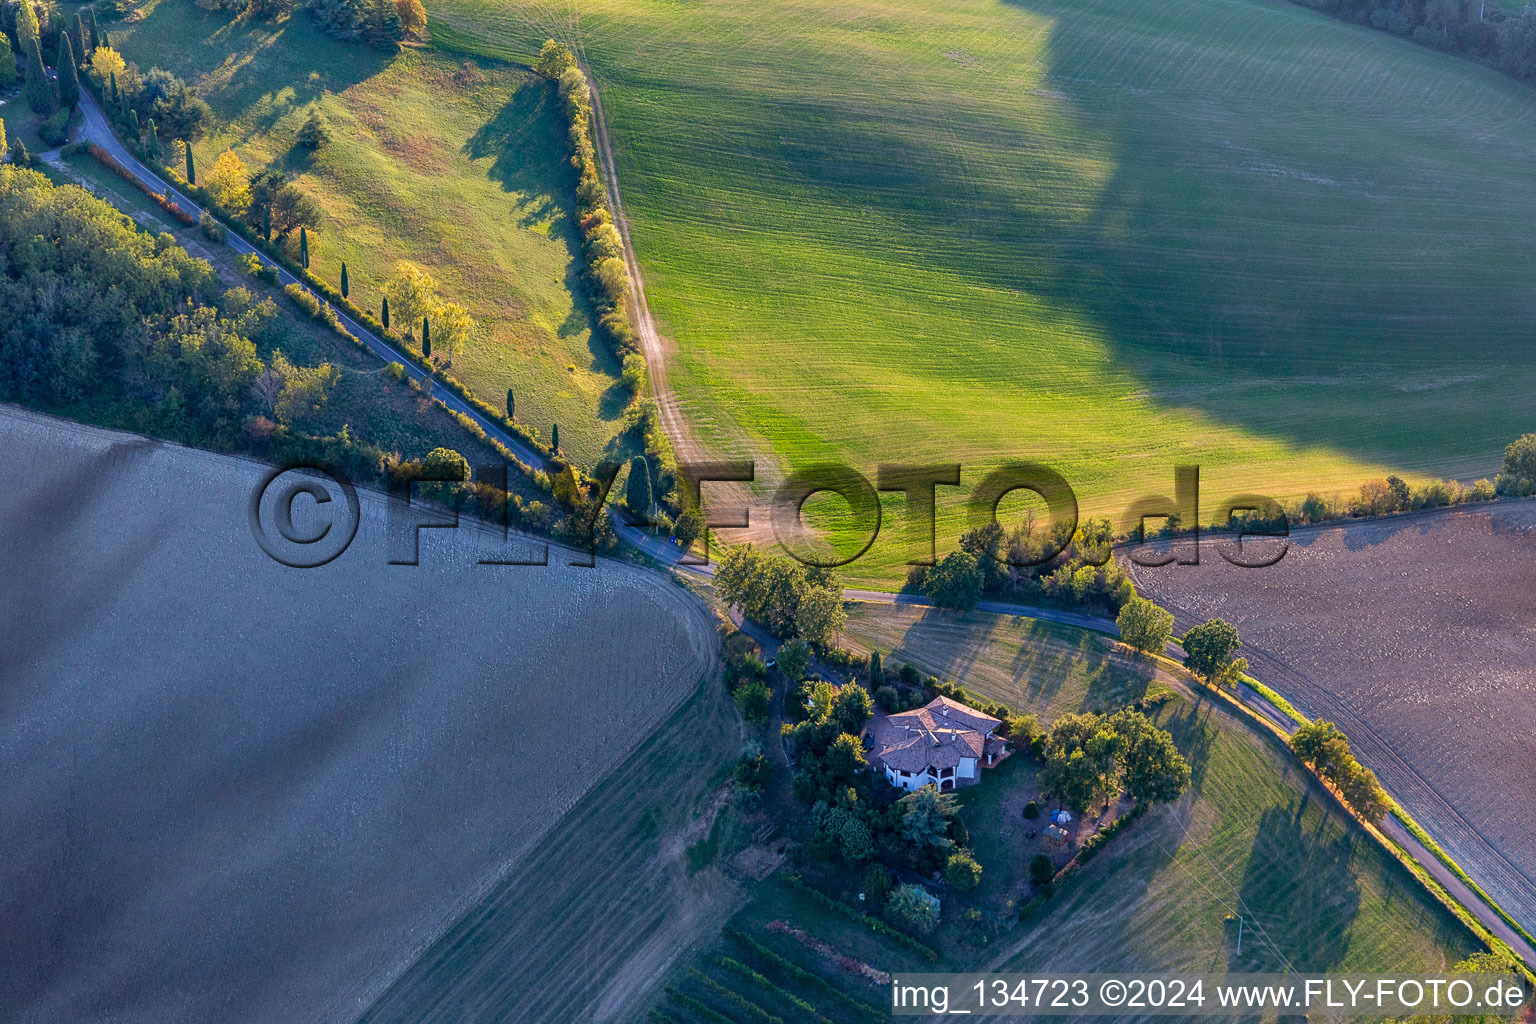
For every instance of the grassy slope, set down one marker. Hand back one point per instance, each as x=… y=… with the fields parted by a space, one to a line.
x=603 y=904
x=1257 y=833
x=1110 y=235
x=1256 y=836
x=465 y=175
x=376 y=408
x=1025 y=663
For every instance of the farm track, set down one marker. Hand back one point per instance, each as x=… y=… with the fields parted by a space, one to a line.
x=678 y=429
x=657 y=348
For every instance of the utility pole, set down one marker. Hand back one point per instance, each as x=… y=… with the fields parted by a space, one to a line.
x=1239 y=935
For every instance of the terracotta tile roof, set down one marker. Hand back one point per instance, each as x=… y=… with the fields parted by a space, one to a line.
x=936 y=735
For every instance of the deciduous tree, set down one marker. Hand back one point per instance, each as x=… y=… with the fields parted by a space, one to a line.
x=1209 y=649
x=1144 y=625
x=413 y=18
x=955 y=582
x=229 y=182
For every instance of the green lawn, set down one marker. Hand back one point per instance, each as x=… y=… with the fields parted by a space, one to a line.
x=1257 y=838
x=1109 y=234
x=1031 y=665
x=458 y=165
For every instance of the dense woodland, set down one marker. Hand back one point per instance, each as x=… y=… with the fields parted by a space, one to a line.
x=1503 y=38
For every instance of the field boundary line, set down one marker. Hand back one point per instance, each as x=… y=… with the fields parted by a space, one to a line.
x=1525 y=961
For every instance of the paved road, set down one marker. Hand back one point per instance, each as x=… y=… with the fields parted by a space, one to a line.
x=97 y=130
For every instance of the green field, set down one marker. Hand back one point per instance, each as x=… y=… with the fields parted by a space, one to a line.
x=459 y=166
x=1110 y=234
x=1257 y=838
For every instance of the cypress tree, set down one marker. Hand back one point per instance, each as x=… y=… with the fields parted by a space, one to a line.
x=39 y=89
x=150 y=138
x=303 y=247
x=69 y=76
x=384 y=313
x=343 y=279
x=876 y=672
x=554 y=437
x=95 y=31
x=637 y=490
x=133 y=124
x=112 y=87
x=266 y=223
x=80 y=37
x=510 y=406
x=2 y=153
x=426 y=337
x=19 y=155
x=191 y=170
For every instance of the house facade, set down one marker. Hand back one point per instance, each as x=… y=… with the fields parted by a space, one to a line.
x=944 y=743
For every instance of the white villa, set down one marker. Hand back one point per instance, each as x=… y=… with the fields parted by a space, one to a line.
x=945 y=743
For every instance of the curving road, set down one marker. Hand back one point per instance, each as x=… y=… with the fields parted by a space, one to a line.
x=96 y=129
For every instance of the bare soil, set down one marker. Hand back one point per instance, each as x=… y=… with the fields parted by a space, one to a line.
x=1417 y=636
x=238 y=791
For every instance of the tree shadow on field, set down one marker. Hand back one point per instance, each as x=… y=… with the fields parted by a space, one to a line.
x=1194 y=734
x=253 y=73
x=525 y=142
x=1234 y=257
x=1299 y=894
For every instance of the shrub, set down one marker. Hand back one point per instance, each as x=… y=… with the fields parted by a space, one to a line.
x=912 y=908
x=1041 y=868
x=753 y=698
x=962 y=871
x=211 y=229
x=878 y=885
x=55 y=129
x=1032 y=810
x=634 y=374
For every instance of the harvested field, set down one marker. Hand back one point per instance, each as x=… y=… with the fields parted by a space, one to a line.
x=237 y=791
x=1416 y=635
x=614 y=876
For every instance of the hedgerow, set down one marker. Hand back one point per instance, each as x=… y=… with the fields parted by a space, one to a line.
x=874 y=924
x=787 y=996
x=168 y=205
x=607 y=278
